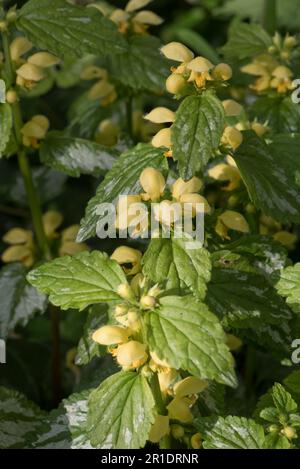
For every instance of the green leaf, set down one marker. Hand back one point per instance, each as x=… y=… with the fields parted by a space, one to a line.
x=65 y=29
x=270 y=414
x=232 y=433
x=5 y=126
x=122 y=179
x=187 y=335
x=246 y=40
x=271 y=174
x=87 y=347
x=178 y=263
x=289 y=286
x=2 y=92
x=276 y=441
x=76 y=156
x=196 y=132
x=142 y=67
x=282 y=115
x=19 y=300
x=80 y=280
x=283 y=400
x=121 y=412
x=65 y=427
x=248 y=303
x=292 y=384
x=19 y=419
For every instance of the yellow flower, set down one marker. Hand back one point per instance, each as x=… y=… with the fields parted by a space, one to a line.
x=153 y=183
x=32 y=71
x=159 y=429
x=222 y=72
x=108 y=133
x=261 y=67
x=166 y=377
x=147 y=302
x=232 y=108
x=259 y=129
x=146 y=17
x=162 y=139
x=134 y=5
x=21 y=249
x=286 y=238
x=232 y=137
x=132 y=354
x=125 y=291
x=18 y=47
x=189 y=385
x=167 y=212
x=127 y=212
x=181 y=187
x=233 y=342
x=51 y=221
x=224 y=172
x=34 y=131
x=110 y=335
x=125 y=255
x=92 y=71
x=230 y=220
x=195 y=200
x=160 y=363
x=43 y=60
x=281 y=79
x=179 y=409
x=177 y=431
x=200 y=71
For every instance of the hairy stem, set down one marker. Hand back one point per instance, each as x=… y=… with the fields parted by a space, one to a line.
x=269 y=16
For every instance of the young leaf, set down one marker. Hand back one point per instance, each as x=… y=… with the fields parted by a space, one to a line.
x=87 y=347
x=66 y=30
x=19 y=300
x=187 y=335
x=289 y=286
x=121 y=412
x=271 y=175
x=141 y=67
x=122 y=179
x=65 y=427
x=246 y=40
x=179 y=265
x=232 y=433
x=196 y=132
x=283 y=400
x=80 y=280
x=76 y=156
x=276 y=441
x=5 y=126
x=19 y=419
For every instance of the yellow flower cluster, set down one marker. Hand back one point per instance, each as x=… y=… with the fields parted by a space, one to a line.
x=166 y=212
x=269 y=226
x=22 y=247
x=102 y=90
x=196 y=70
x=34 y=131
x=130 y=19
x=31 y=70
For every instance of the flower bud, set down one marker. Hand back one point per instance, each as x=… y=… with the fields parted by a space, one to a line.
x=196 y=441
x=125 y=255
x=132 y=355
x=177 y=431
x=160 y=115
x=273 y=428
x=178 y=409
x=153 y=182
x=225 y=172
x=159 y=429
x=177 y=52
x=181 y=187
x=125 y=291
x=109 y=335
x=162 y=138
x=137 y=283
x=289 y=432
x=11 y=97
x=286 y=238
x=234 y=221
x=175 y=83
x=290 y=41
x=147 y=302
x=232 y=108
x=222 y=72
x=189 y=385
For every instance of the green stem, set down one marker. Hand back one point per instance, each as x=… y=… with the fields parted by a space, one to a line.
x=56 y=373
x=32 y=195
x=269 y=17
x=157 y=395
x=129 y=116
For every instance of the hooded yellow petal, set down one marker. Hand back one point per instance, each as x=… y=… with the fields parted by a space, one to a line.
x=21 y=253
x=162 y=138
x=159 y=429
x=69 y=248
x=189 y=385
x=101 y=89
x=232 y=108
x=132 y=354
x=17 y=236
x=43 y=59
x=181 y=187
x=178 y=409
x=134 y=5
x=153 y=182
x=51 y=221
x=148 y=17
x=234 y=221
x=175 y=83
x=200 y=65
x=30 y=72
x=160 y=115
x=18 y=47
x=177 y=52
x=109 y=335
